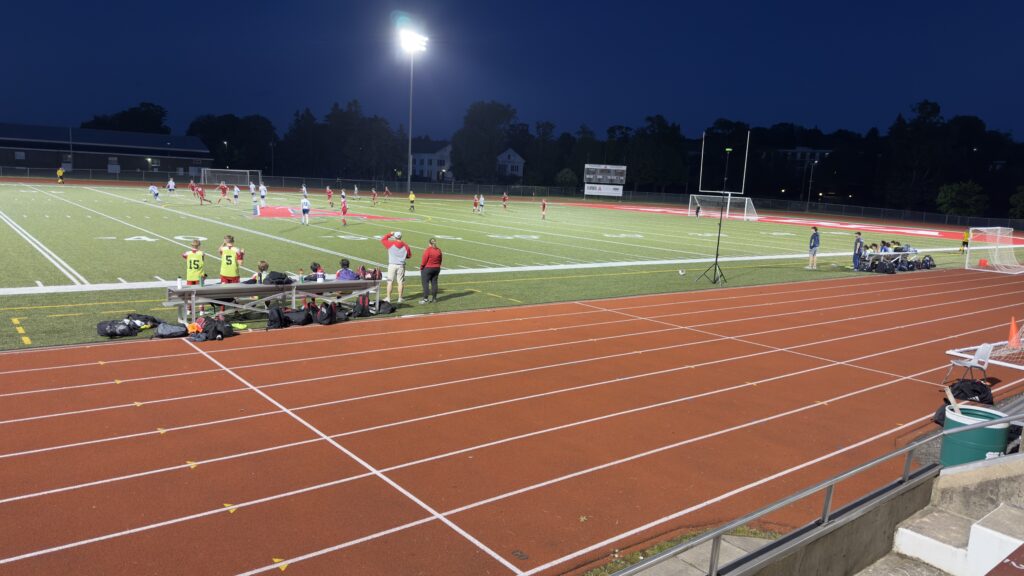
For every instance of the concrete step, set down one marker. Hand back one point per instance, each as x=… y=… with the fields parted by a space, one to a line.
x=936 y=537
x=695 y=562
x=894 y=563
x=994 y=537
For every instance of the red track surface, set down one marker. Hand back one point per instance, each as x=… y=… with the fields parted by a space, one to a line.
x=531 y=440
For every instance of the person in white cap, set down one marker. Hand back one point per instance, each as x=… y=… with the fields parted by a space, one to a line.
x=398 y=253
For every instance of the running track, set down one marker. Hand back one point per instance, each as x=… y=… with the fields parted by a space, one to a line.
x=529 y=440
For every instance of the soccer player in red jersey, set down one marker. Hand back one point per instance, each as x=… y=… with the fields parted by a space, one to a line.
x=330 y=196
x=201 y=194
x=373 y=196
x=504 y=200
x=544 y=209
x=192 y=187
x=344 y=212
x=223 y=191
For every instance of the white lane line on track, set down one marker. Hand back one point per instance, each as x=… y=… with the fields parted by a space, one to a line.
x=34 y=242
x=370 y=468
x=941 y=277
x=672 y=327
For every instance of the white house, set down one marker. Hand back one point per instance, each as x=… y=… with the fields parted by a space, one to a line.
x=510 y=163
x=432 y=161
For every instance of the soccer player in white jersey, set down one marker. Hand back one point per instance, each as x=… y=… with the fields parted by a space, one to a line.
x=343 y=198
x=252 y=189
x=263 y=195
x=304 y=204
x=355 y=190
x=234 y=192
x=170 y=186
x=155 y=192
x=305 y=193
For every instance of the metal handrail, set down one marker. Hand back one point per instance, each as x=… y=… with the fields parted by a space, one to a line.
x=829 y=485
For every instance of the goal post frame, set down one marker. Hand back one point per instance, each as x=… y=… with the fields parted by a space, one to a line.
x=229 y=176
x=991 y=249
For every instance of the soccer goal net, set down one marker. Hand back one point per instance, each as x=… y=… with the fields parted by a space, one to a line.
x=237 y=177
x=739 y=207
x=994 y=250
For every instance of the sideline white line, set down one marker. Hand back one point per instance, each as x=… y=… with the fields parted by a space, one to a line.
x=61 y=265
x=430 y=510
x=672 y=327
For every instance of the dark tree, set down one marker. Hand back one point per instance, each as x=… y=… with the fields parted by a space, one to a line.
x=483 y=136
x=146 y=117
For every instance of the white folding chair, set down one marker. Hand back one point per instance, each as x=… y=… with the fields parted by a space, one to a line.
x=979 y=361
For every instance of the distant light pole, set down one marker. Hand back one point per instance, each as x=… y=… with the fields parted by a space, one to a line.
x=411 y=43
x=725 y=182
x=271 y=157
x=810 y=187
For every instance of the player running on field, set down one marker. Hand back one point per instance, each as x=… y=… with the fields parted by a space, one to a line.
x=481 y=204
x=387 y=193
x=201 y=194
x=234 y=194
x=330 y=196
x=355 y=190
x=412 y=201
x=192 y=187
x=305 y=206
x=305 y=193
x=504 y=200
x=263 y=195
x=373 y=196
x=223 y=191
x=252 y=190
x=967 y=240
x=155 y=192
x=171 y=186
x=343 y=197
x=544 y=209
x=476 y=203
x=344 y=212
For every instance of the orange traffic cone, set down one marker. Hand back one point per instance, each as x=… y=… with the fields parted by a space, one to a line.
x=1014 y=340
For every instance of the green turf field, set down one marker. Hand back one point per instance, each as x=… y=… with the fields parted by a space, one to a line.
x=108 y=242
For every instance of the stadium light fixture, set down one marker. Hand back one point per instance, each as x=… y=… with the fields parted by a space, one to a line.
x=411 y=42
x=810 y=186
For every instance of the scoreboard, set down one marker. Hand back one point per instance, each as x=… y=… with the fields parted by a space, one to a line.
x=603 y=179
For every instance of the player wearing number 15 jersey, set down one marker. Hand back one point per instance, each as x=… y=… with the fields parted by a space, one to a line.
x=231 y=257
x=195 y=265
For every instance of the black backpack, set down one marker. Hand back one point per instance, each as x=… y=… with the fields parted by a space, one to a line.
x=277 y=278
x=299 y=317
x=116 y=328
x=385 y=308
x=144 y=320
x=325 y=313
x=362 y=307
x=214 y=330
x=277 y=319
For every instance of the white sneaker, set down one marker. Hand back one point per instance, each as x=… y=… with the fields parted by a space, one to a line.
x=399 y=300
x=424 y=301
x=388 y=300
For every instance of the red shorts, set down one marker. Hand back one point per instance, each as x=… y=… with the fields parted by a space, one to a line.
x=229 y=279
x=191 y=282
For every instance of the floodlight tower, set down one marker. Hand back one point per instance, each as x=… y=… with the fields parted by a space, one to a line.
x=412 y=43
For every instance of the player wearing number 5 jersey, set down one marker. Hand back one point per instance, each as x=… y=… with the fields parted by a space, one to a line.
x=195 y=265
x=231 y=257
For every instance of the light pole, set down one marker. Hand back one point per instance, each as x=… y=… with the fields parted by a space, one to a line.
x=810 y=187
x=725 y=182
x=271 y=157
x=412 y=43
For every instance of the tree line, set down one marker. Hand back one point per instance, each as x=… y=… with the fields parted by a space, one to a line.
x=921 y=162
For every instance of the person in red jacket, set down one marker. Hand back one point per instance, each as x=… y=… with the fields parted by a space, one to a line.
x=398 y=253
x=430 y=269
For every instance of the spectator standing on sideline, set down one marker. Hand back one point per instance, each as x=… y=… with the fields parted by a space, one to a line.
x=304 y=204
x=60 y=175
x=812 y=263
x=966 y=241
x=398 y=253
x=430 y=269
x=858 y=250
x=543 y=208
x=345 y=273
x=231 y=257
x=412 y=201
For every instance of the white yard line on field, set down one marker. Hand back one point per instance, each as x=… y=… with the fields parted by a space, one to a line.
x=61 y=265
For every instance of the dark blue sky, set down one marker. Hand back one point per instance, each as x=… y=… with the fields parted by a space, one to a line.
x=828 y=64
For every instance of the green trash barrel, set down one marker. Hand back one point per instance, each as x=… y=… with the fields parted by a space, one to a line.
x=976 y=444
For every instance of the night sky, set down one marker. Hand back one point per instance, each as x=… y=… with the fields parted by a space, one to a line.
x=852 y=65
